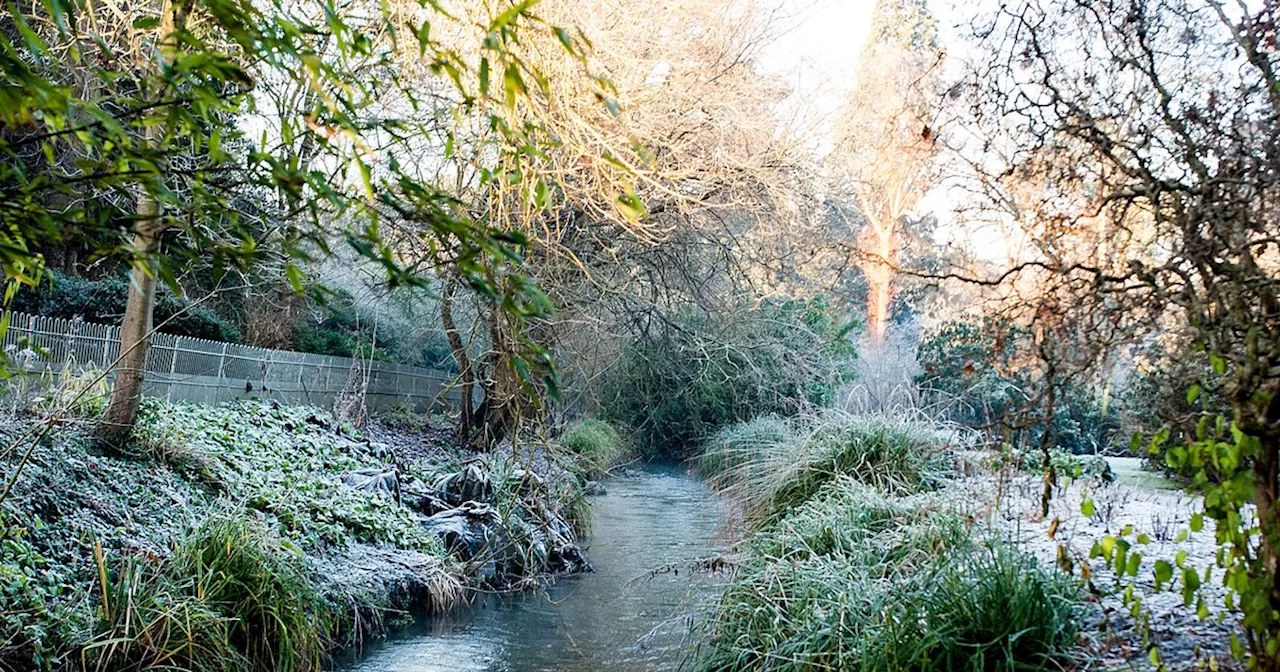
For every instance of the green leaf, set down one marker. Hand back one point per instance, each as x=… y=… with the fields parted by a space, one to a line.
x=1197 y=522
x=1237 y=647
x=1193 y=393
x=146 y=22
x=1163 y=572
x=484 y=76
x=296 y=277
x=506 y=18
x=1190 y=584
x=514 y=84
x=565 y=40
x=366 y=179
x=1086 y=507
x=631 y=206
x=1134 y=564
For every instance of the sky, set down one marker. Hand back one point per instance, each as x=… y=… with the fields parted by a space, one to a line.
x=816 y=50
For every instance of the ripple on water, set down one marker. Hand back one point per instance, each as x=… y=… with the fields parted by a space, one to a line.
x=618 y=618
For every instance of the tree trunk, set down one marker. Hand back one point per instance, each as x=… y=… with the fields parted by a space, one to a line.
x=466 y=375
x=879 y=242
x=1266 y=482
x=135 y=330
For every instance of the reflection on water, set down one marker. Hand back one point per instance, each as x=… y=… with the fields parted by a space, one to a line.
x=635 y=612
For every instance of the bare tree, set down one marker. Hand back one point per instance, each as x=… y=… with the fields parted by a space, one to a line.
x=664 y=156
x=1153 y=127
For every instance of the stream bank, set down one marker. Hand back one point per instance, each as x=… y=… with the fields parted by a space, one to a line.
x=640 y=609
x=257 y=536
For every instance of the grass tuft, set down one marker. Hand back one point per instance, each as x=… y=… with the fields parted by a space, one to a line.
x=231 y=597
x=771 y=466
x=597 y=445
x=279 y=618
x=855 y=562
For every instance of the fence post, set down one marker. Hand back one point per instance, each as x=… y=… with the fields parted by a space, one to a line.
x=222 y=365
x=173 y=369
x=106 y=348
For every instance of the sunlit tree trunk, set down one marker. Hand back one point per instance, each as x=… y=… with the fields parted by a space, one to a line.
x=880 y=249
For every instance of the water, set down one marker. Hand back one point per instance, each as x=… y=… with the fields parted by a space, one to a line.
x=637 y=611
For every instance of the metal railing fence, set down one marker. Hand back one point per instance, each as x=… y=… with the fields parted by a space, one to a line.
x=204 y=371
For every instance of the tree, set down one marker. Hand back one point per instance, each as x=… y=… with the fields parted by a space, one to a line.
x=886 y=144
x=83 y=124
x=136 y=326
x=1154 y=126
x=634 y=206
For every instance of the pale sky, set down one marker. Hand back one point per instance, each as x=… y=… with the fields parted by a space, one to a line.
x=817 y=51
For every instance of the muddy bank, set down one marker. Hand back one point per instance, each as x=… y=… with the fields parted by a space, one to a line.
x=362 y=526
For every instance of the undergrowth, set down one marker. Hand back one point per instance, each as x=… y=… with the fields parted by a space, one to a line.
x=855 y=562
x=232 y=596
x=597 y=445
x=770 y=466
x=195 y=551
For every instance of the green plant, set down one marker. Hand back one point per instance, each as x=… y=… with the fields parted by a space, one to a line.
x=78 y=390
x=993 y=608
x=676 y=386
x=854 y=562
x=231 y=597
x=278 y=618
x=1222 y=463
x=597 y=445
x=860 y=579
x=103 y=301
x=149 y=620
x=771 y=468
x=978 y=370
x=281 y=464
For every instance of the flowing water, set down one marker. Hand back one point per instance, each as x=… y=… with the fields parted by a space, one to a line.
x=637 y=611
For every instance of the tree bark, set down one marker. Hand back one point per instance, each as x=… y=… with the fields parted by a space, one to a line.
x=466 y=375
x=136 y=326
x=1266 y=483
x=135 y=330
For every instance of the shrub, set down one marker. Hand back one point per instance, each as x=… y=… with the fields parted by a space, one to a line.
x=854 y=564
x=231 y=597
x=596 y=443
x=975 y=367
x=858 y=580
x=771 y=468
x=104 y=301
x=993 y=608
x=77 y=390
x=677 y=385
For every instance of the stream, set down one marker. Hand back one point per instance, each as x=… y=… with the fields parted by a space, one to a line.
x=638 y=611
